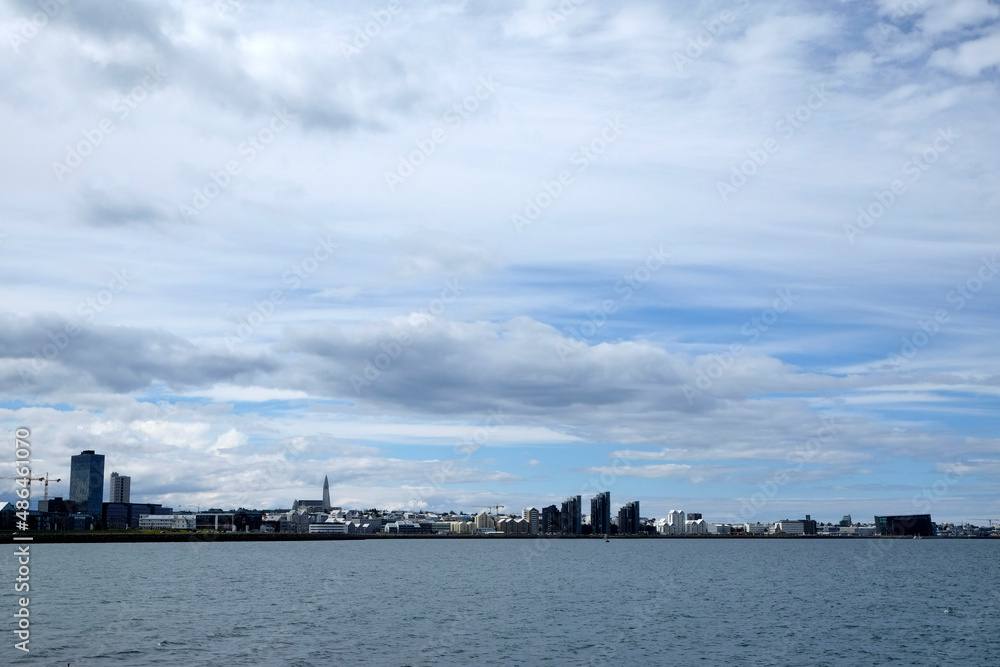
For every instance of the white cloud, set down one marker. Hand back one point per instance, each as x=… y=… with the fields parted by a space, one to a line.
x=969 y=58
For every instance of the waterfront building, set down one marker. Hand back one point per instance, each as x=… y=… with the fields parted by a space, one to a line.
x=719 y=529
x=57 y=506
x=334 y=528
x=126 y=515
x=166 y=522
x=407 y=527
x=905 y=524
x=571 y=516
x=550 y=519
x=695 y=527
x=676 y=521
x=462 y=527
x=216 y=521
x=628 y=518
x=86 y=482
x=247 y=521
x=531 y=516
x=600 y=513
x=754 y=528
x=8 y=516
x=484 y=522
x=114 y=516
x=294 y=521
x=789 y=527
x=121 y=487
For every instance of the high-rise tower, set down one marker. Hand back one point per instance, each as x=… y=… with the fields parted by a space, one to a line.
x=600 y=513
x=86 y=482
x=121 y=487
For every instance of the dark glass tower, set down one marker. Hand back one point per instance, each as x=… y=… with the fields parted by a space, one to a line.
x=628 y=518
x=571 y=516
x=86 y=482
x=600 y=513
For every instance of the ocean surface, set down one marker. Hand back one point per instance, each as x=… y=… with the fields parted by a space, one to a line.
x=511 y=602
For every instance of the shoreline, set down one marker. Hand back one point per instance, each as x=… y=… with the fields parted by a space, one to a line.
x=46 y=537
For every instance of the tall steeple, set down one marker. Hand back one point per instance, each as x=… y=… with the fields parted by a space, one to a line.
x=326 y=493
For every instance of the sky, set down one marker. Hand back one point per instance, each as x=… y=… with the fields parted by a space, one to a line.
x=727 y=257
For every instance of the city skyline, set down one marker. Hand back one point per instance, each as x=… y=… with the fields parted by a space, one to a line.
x=739 y=258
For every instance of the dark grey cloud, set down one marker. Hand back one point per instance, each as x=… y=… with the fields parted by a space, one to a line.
x=52 y=354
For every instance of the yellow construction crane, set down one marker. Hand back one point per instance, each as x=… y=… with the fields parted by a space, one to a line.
x=45 y=479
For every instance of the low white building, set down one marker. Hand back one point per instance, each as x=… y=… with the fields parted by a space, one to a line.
x=462 y=527
x=718 y=528
x=695 y=527
x=334 y=527
x=754 y=528
x=166 y=522
x=790 y=527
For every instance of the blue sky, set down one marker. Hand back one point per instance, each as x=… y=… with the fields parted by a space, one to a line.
x=729 y=257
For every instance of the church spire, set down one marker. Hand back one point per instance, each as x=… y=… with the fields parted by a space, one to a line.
x=326 y=493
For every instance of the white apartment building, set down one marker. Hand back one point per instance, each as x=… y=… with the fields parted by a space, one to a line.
x=695 y=527
x=676 y=522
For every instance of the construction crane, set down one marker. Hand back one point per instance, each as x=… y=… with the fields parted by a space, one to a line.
x=498 y=510
x=45 y=479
